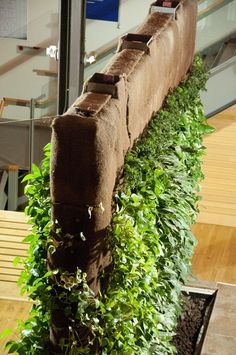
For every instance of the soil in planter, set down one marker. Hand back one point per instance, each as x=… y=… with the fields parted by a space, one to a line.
x=193 y=323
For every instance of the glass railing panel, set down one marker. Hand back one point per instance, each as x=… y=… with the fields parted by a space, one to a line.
x=26 y=72
x=102 y=36
x=14 y=144
x=22 y=141
x=216 y=23
x=100 y=33
x=21 y=144
x=221 y=88
x=211 y=13
x=98 y=65
x=207 y=7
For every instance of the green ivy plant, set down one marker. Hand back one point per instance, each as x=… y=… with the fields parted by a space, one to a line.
x=150 y=237
x=34 y=280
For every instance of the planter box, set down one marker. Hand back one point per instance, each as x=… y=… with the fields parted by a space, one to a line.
x=193 y=323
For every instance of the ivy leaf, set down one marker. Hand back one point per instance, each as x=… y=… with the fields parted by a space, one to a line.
x=11 y=346
x=6 y=332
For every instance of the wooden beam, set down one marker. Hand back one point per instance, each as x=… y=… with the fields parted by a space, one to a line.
x=44 y=72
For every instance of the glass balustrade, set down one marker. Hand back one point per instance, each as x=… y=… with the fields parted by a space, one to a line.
x=28 y=90
x=216 y=21
x=28 y=77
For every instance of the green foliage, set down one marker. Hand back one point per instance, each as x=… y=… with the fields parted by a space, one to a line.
x=39 y=210
x=150 y=237
x=35 y=278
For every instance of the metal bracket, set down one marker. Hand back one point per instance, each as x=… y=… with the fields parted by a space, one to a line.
x=91 y=104
x=165 y=7
x=103 y=84
x=135 y=41
x=52 y=52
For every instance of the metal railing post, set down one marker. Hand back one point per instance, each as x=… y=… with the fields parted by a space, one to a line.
x=31 y=133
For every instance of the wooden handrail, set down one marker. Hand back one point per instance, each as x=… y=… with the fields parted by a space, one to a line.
x=2 y=104
x=15 y=102
x=44 y=72
x=25 y=103
x=44 y=103
x=212 y=7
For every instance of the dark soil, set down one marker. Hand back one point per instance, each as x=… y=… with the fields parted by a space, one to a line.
x=192 y=324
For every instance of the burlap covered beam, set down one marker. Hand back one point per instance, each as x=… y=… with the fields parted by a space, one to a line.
x=90 y=140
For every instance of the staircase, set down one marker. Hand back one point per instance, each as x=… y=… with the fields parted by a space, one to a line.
x=220 y=52
x=3 y=183
x=13 y=229
x=2 y=104
x=11 y=187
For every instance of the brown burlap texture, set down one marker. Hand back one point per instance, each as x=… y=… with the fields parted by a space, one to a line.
x=88 y=150
x=90 y=141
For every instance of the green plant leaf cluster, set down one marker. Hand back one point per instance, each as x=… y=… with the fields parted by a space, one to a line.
x=39 y=210
x=150 y=237
x=34 y=280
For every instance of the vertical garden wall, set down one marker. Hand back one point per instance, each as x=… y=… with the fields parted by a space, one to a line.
x=150 y=239
x=111 y=242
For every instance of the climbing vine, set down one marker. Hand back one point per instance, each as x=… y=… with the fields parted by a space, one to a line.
x=150 y=237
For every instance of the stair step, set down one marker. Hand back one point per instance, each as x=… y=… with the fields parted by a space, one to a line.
x=228 y=52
